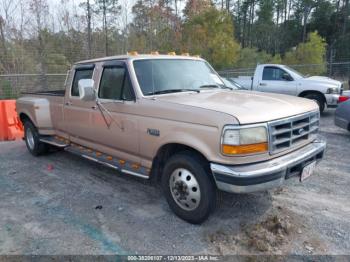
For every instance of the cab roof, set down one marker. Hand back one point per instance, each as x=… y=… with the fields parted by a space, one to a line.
x=138 y=57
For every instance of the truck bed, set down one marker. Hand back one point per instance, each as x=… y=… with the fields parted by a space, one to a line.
x=50 y=116
x=245 y=81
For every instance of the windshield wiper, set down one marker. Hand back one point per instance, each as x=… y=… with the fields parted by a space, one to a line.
x=210 y=86
x=227 y=87
x=167 y=91
x=216 y=86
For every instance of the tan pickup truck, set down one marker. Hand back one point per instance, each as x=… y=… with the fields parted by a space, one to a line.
x=171 y=118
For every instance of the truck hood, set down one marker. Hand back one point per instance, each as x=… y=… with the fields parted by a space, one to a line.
x=321 y=80
x=248 y=107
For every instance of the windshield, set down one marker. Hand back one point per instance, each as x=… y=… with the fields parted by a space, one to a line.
x=295 y=72
x=232 y=84
x=160 y=76
x=228 y=83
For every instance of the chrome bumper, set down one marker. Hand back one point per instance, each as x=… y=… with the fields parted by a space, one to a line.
x=269 y=174
x=332 y=99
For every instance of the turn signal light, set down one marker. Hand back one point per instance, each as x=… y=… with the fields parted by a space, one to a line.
x=244 y=149
x=135 y=166
x=132 y=53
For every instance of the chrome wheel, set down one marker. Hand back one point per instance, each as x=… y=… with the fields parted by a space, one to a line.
x=185 y=189
x=30 y=138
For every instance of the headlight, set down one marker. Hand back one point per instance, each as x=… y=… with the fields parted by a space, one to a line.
x=241 y=141
x=333 y=90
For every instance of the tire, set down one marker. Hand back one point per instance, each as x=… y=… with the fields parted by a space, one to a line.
x=319 y=99
x=31 y=137
x=188 y=187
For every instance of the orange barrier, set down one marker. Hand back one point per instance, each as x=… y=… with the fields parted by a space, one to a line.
x=11 y=127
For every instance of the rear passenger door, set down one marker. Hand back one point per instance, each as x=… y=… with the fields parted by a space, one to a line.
x=277 y=80
x=77 y=112
x=115 y=121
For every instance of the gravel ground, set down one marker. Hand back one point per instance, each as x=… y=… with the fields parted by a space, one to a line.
x=63 y=204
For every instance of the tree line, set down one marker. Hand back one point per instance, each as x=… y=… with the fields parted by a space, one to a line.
x=36 y=37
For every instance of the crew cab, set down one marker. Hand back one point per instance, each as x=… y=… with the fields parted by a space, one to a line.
x=171 y=119
x=282 y=79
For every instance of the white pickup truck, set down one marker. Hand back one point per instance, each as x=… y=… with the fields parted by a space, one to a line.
x=282 y=79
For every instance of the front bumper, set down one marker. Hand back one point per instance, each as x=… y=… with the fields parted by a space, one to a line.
x=269 y=174
x=332 y=100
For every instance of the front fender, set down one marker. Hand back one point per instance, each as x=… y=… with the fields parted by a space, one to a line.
x=207 y=147
x=317 y=86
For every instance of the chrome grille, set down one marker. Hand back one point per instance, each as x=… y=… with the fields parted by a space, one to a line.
x=289 y=132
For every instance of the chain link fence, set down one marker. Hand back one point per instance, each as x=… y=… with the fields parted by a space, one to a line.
x=12 y=85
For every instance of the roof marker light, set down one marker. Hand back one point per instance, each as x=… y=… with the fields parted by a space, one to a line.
x=154 y=53
x=132 y=53
x=171 y=53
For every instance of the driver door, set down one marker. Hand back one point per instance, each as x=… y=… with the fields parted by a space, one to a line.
x=276 y=80
x=114 y=122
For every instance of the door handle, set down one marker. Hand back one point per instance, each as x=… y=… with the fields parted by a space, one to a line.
x=263 y=84
x=68 y=103
x=94 y=107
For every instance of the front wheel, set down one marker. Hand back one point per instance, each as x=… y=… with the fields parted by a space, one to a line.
x=188 y=187
x=318 y=98
x=31 y=137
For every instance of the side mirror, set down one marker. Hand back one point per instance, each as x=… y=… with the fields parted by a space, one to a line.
x=86 y=89
x=287 y=77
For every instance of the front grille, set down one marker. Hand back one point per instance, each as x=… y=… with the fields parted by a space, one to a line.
x=289 y=132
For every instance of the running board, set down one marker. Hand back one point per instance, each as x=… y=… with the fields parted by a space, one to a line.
x=109 y=161
x=55 y=141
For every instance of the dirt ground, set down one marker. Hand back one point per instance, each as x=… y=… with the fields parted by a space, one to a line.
x=62 y=204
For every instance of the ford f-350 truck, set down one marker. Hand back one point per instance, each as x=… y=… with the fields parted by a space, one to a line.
x=282 y=79
x=171 y=119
